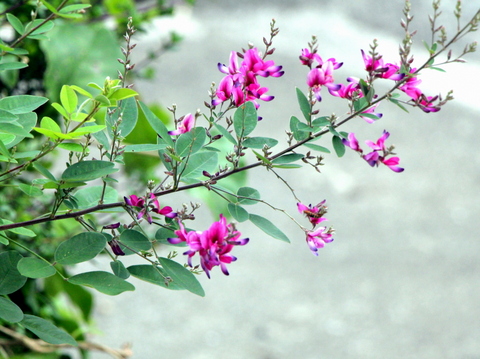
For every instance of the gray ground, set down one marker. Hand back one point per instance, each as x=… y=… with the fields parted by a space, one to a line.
x=401 y=279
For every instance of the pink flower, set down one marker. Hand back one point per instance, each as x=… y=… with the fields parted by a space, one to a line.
x=318 y=238
x=313 y=213
x=241 y=84
x=379 y=153
x=378 y=69
x=149 y=204
x=307 y=58
x=213 y=245
x=352 y=142
x=322 y=76
x=185 y=125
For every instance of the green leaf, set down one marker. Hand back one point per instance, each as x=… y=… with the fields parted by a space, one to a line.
x=288 y=158
x=154 y=275
x=129 y=112
x=190 y=142
x=14 y=65
x=225 y=133
x=262 y=158
x=245 y=119
x=49 y=124
x=145 y=147
x=88 y=170
x=268 y=227
x=86 y=129
x=20 y=230
x=9 y=311
x=396 y=102
x=338 y=146
x=237 y=212
x=295 y=125
x=119 y=269
x=46 y=330
x=156 y=124
x=131 y=239
x=90 y=196
x=47 y=26
x=316 y=147
x=259 y=142
x=16 y=23
x=199 y=162
x=46 y=173
x=250 y=194
x=81 y=90
x=288 y=166
x=33 y=267
x=182 y=276
x=69 y=146
x=104 y=282
x=80 y=248
x=74 y=8
x=10 y=278
x=123 y=93
x=321 y=121
x=31 y=191
x=68 y=98
x=304 y=104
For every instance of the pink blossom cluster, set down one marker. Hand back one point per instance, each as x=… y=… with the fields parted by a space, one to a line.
x=316 y=238
x=379 y=153
x=241 y=83
x=148 y=204
x=213 y=245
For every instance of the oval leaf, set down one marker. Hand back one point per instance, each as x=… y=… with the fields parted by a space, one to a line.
x=250 y=193
x=134 y=240
x=237 y=212
x=34 y=267
x=182 y=276
x=245 y=119
x=88 y=170
x=154 y=275
x=259 y=142
x=104 y=282
x=80 y=248
x=304 y=104
x=119 y=269
x=268 y=227
x=190 y=142
x=47 y=331
x=338 y=146
x=289 y=158
x=9 y=311
x=10 y=278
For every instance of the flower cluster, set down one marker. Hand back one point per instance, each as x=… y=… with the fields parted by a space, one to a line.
x=213 y=245
x=241 y=84
x=321 y=74
x=316 y=238
x=148 y=204
x=379 y=153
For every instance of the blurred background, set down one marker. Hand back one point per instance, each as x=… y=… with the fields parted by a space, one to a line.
x=401 y=278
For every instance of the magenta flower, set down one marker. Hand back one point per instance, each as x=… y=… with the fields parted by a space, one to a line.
x=313 y=213
x=116 y=249
x=241 y=84
x=352 y=142
x=148 y=205
x=307 y=58
x=322 y=76
x=185 y=125
x=213 y=245
x=379 y=153
x=318 y=238
x=379 y=69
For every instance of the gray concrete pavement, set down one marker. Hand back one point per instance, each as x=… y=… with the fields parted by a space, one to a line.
x=401 y=279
